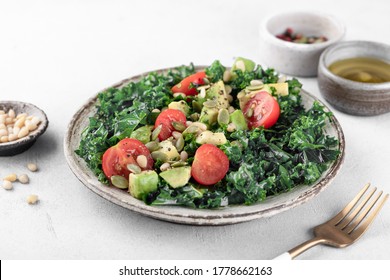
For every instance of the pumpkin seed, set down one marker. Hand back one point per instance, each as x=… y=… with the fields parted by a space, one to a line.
x=180 y=144
x=119 y=182
x=176 y=134
x=194 y=116
x=156 y=111
x=223 y=116
x=191 y=130
x=256 y=82
x=197 y=106
x=253 y=88
x=178 y=126
x=152 y=146
x=202 y=93
x=201 y=126
x=157 y=155
x=179 y=164
x=210 y=103
x=206 y=81
x=241 y=94
x=156 y=132
x=249 y=113
x=133 y=168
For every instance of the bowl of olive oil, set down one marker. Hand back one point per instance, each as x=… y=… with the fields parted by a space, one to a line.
x=354 y=77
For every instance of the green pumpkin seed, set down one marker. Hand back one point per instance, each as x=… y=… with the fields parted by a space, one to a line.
x=249 y=113
x=194 y=116
x=228 y=89
x=256 y=82
x=179 y=164
x=119 y=182
x=133 y=168
x=223 y=117
x=206 y=81
x=191 y=129
x=197 y=106
x=253 y=88
x=210 y=103
x=156 y=132
x=157 y=155
x=178 y=126
x=152 y=146
x=180 y=144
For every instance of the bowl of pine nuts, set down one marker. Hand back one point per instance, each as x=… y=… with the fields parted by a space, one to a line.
x=20 y=126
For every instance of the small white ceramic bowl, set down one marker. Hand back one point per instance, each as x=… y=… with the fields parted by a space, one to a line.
x=293 y=58
x=356 y=98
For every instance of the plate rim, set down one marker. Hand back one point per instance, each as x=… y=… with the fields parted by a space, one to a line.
x=211 y=217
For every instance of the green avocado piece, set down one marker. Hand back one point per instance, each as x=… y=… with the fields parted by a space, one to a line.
x=215 y=94
x=142 y=134
x=143 y=183
x=238 y=119
x=181 y=106
x=280 y=88
x=241 y=63
x=177 y=177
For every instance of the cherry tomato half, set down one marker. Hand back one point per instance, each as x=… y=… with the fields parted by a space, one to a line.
x=165 y=119
x=210 y=165
x=185 y=85
x=116 y=158
x=263 y=110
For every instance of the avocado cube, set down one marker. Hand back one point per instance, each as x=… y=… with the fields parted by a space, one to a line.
x=177 y=177
x=140 y=185
x=238 y=119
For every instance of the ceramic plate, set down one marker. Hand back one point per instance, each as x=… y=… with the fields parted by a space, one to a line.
x=176 y=214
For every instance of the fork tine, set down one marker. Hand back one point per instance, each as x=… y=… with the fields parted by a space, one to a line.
x=336 y=219
x=349 y=218
x=364 y=226
x=354 y=223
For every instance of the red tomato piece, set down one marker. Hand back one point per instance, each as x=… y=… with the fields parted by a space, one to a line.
x=165 y=119
x=185 y=85
x=210 y=165
x=263 y=110
x=116 y=158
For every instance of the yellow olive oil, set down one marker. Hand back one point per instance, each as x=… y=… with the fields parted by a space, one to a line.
x=362 y=69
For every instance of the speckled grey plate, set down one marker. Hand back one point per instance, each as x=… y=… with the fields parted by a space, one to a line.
x=23 y=144
x=228 y=215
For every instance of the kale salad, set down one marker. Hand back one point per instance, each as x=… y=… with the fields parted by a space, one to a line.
x=207 y=138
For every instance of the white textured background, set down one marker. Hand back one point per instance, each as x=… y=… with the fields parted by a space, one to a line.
x=57 y=54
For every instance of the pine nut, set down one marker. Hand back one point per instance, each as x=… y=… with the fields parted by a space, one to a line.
x=32 y=167
x=7 y=185
x=10 y=177
x=20 y=122
x=35 y=120
x=231 y=127
x=142 y=161
x=31 y=126
x=183 y=155
x=4 y=139
x=9 y=120
x=32 y=199
x=2 y=118
x=12 y=137
x=23 y=179
x=23 y=132
x=11 y=113
x=176 y=134
x=3 y=132
x=165 y=166
x=16 y=131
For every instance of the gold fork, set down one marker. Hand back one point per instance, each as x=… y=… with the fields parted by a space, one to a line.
x=346 y=227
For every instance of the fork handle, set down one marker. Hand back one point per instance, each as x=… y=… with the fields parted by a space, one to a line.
x=296 y=251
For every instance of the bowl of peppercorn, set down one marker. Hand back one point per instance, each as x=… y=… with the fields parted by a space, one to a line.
x=292 y=42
